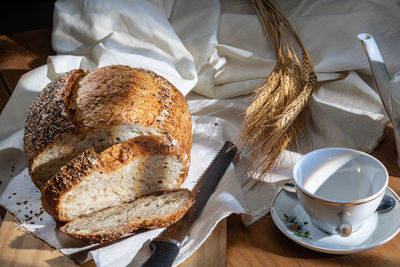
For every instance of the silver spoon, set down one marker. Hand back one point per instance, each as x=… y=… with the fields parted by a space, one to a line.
x=386 y=204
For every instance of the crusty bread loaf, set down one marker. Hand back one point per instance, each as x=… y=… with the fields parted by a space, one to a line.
x=153 y=211
x=105 y=107
x=122 y=173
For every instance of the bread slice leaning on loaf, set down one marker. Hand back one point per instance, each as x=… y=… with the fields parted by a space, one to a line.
x=161 y=209
x=96 y=110
x=122 y=173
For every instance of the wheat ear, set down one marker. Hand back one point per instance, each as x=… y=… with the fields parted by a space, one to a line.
x=273 y=120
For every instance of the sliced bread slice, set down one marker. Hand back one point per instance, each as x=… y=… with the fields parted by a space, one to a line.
x=122 y=173
x=160 y=209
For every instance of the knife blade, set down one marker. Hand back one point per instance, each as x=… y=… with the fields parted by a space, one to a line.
x=165 y=247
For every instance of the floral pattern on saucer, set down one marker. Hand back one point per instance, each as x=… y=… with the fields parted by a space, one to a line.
x=296 y=227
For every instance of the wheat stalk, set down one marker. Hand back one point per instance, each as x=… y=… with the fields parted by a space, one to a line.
x=273 y=119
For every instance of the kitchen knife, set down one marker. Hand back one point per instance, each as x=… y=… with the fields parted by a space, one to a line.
x=165 y=247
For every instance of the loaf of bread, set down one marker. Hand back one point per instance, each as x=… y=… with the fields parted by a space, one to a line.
x=99 y=109
x=94 y=142
x=153 y=211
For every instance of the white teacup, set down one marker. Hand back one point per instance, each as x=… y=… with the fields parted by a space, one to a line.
x=339 y=188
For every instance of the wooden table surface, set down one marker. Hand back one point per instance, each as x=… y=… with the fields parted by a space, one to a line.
x=231 y=243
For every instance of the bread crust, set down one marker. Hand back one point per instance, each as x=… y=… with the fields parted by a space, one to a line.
x=165 y=221
x=79 y=103
x=108 y=161
x=48 y=116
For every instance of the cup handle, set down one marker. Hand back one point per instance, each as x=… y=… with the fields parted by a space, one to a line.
x=344 y=228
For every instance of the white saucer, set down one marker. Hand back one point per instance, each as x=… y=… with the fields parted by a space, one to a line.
x=376 y=231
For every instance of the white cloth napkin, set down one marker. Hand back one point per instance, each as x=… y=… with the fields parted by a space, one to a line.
x=217 y=51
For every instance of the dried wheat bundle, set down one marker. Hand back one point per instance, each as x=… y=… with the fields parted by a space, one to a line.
x=273 y=120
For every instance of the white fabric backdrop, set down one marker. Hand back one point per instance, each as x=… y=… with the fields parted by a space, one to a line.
x=214 y=52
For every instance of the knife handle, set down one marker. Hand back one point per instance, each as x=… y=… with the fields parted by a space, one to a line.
x=164 y=253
